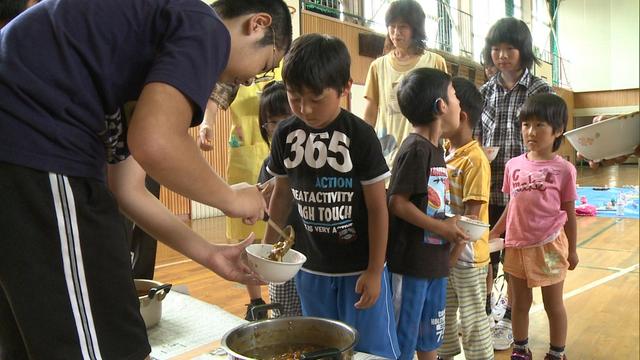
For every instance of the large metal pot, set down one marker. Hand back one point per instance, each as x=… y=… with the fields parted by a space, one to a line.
x=150 y=294
x=269 y=338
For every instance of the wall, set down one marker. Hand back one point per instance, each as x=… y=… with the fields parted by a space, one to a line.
x=599 y=39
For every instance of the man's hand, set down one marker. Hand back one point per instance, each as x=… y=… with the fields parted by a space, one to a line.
x=248 y=203
x=230 y=262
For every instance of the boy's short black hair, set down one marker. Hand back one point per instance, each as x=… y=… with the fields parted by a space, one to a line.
x=317 y=62
x=280 y=18
x=273 y=102
x=419 y=92
x=549 y=108
x=10 y=9
x=511 y=31
x=410 y=12
x=471 y=101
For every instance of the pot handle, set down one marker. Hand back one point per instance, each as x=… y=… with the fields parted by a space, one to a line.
x=273 y=306
x=329 y=353
x=155 y=290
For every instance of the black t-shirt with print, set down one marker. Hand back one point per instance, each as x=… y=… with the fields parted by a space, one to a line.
x=327 y=169
x=420 y=171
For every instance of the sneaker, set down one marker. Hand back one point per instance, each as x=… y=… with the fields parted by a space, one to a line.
x=551 y=357
x=255 y=315
x=492 y=323
x=498 y=310
x=502 y=335
x=519 y=355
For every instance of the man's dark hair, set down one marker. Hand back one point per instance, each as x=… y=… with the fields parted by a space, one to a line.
x=419 y=94
x=280 y=18
x=549 y=108
x=317 y=62
x=471 y=101
x=10 y=9
x=514 y=32
x=273 y=102
x=410 y=12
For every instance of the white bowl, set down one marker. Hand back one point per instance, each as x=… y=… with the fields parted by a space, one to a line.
x=491 y=152
x=473 y=228
x=607 y=139
x=496 y=244
x=274 y=271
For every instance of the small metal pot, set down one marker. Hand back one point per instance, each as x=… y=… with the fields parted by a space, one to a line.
x=269 y=338
x=150 y=294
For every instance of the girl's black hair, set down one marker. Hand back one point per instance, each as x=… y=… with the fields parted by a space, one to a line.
x=419 y=93
x=410 y=12
x=514 y=32
x=273 y=102
x=549 y=108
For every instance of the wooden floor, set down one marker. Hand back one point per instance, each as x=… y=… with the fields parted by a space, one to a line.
x=601 y=295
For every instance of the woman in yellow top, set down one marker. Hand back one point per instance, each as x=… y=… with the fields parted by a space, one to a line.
x=406 y=35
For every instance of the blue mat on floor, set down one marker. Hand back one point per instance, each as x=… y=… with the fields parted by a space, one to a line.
x=604 y=199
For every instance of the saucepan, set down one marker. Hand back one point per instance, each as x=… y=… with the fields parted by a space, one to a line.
x=289 y=338
x=150 y=294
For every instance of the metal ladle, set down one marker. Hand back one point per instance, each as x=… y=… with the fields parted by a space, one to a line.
x=281 y=247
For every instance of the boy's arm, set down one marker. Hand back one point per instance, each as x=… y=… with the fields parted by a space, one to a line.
x=471 y=210
x=159 y=140
x=126 y=181
x=279 y=208
x=368 y=283
x=402 y=207
x=570 y=229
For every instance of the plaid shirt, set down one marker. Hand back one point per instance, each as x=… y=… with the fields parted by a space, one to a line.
x=500 y=125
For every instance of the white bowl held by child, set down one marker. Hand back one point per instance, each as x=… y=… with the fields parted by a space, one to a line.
x=274 y=271
x=496 y=244
x=473 y=228
x=608 y=138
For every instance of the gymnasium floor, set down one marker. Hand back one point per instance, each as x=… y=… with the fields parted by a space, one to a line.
x=601 y=295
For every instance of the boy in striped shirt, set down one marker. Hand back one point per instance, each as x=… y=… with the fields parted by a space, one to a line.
x=469 y=179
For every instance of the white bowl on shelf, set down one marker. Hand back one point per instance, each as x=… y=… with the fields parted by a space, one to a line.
x=276 y=272
x=473 y=228
x=491 y=152
x=608 y=138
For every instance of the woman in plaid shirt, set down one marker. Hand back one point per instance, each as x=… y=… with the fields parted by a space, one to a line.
x=508 y=47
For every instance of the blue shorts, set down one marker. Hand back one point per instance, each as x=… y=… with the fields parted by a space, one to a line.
x=333 y=297
x=419 y=307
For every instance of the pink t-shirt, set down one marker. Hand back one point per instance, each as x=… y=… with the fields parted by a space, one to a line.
x=537 y=189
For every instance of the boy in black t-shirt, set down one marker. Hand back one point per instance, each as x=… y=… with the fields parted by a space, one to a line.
x=329 y=162
x=418 y=250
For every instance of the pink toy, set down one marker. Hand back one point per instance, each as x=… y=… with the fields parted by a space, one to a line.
x=585 y=209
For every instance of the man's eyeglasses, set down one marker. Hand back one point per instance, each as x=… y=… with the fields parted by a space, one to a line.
x=269 y=75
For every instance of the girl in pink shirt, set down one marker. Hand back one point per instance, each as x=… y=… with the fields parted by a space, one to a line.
x=540 y=221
